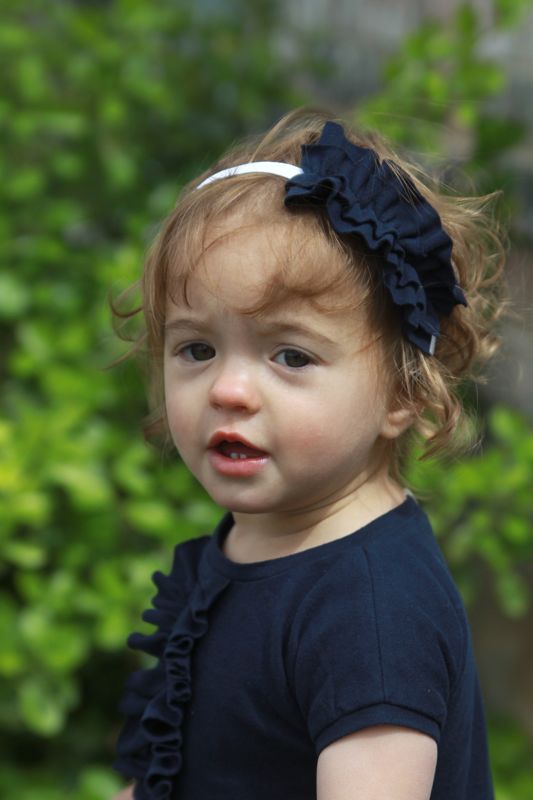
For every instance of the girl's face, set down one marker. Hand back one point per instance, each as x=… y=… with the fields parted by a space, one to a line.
x=295 y=383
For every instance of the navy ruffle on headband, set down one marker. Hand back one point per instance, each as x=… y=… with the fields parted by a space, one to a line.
x=367 y=198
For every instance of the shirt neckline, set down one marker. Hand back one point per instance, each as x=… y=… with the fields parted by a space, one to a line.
x=387 y=522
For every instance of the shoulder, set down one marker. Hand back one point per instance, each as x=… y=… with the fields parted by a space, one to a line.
x=401 y=575
x=414 y=593
x=380 y=637
x=173 y=588
x=186 y=558
x=189 y=552
x=386 y=577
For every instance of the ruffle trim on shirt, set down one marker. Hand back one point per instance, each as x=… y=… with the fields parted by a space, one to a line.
x=149 y=745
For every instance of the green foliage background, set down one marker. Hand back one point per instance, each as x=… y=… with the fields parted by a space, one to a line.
x=106 y=108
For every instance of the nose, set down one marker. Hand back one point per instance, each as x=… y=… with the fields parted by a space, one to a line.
x=235 y=387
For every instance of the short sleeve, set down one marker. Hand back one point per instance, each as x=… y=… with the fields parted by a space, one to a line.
x=375 y=643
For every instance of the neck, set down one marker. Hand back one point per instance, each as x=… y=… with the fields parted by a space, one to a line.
x=258 y=537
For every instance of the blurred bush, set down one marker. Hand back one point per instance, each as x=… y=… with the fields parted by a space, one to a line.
x=482 y=512
x=105 y=109
x=438 y=93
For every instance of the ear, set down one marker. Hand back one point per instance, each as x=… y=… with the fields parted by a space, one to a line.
x=397 y=421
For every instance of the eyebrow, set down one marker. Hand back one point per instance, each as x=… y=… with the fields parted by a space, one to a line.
x=183 y=323
x=265 y=329
x=283 y=327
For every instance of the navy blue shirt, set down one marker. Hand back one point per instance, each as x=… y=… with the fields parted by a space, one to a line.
x=259 y=666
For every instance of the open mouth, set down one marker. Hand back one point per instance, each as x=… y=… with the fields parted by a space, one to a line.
x=235 y=459
x=238 y=450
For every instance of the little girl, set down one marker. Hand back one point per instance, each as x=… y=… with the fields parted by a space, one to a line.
x=310 y=306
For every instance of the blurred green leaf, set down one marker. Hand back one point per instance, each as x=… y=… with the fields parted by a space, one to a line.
x=44 y=703
x=97 y=783
x=14 y=296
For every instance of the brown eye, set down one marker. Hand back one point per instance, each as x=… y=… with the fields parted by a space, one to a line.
x=295 y=358
x=198 y=351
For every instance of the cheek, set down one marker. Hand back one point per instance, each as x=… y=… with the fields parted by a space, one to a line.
x=343 y=418
x=178 y=413
x=305 y=437
x=175 y=392
x=314 y=432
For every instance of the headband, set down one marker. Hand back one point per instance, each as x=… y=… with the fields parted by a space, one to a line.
x=379 y=203
x=272 y=167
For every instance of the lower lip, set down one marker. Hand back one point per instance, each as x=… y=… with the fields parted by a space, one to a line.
x=236 y=467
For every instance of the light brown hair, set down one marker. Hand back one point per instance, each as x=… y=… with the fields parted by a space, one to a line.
x=428 y=385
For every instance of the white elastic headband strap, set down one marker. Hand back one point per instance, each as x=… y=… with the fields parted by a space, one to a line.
x=271 y=167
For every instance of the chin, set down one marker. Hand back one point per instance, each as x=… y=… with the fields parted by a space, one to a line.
x=235 y=502
x=239 y=507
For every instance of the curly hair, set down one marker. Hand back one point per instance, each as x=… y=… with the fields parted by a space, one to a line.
x=318 y=263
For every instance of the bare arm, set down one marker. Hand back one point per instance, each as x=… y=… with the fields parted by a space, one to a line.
x=125 y=794
x=378 y=763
